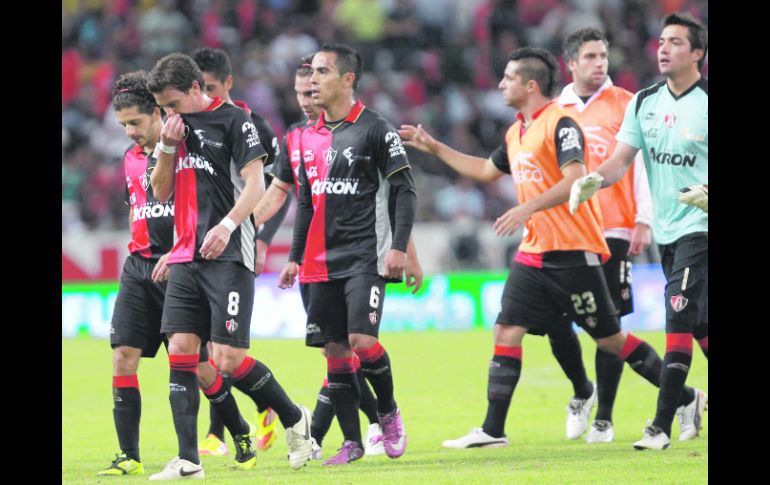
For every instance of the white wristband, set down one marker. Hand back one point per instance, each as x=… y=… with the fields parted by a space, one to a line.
x=170 y=149
x=229 y=224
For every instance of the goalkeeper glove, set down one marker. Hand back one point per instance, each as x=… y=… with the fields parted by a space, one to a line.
x=696 y=196
x=582 y=189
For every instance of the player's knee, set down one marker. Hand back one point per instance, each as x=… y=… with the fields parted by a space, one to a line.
x=360 y=341
x=183 y=343
x=612 y=344
x=228 y=360
x=337 y=350
x=509 y=335
x=207 y=374
x=125 y=360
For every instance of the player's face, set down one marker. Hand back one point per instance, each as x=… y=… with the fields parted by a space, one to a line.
x=674 y=51
x=173 y=100
x=590 y=68
x=326 y=83
x=303 y=89
x=142 y=128
x=215 y=87
x=512 y=86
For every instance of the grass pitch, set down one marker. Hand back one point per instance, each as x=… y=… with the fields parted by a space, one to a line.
x=440 y=381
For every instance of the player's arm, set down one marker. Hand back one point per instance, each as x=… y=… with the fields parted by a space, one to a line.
x=217 y=238
x=162 y=178
x=405 y=203
x=414 y=274
x=476 y=168
x=570 y=156
x=302 y=222
x=641 y=235
x=266 y=232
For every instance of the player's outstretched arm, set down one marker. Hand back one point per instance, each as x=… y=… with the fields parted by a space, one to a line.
x=509 y=222
x=606 y=174
x=476 y=168
x=218 y=236
x=162 y=178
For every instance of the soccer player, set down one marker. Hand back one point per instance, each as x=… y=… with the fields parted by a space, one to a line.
x=598 y=106
x=211 y=159
x=217 y=74
x=668 y=122
x=353 y=181
x=556 y=276
x=135 y=329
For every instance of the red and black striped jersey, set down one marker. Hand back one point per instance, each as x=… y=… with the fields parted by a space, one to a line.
x=219 y=142
x=344 y=174
x=286 y=166
x=152 y=221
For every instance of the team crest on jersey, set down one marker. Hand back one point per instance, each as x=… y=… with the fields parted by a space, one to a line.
x=252 y=137
x=145 y=178
x=373 y=318
x=329 y=155
x=348 y=153
x=231 y=326
x=678 y=302
x=669 y=120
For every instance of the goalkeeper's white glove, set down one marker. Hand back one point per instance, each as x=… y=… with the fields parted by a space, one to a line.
x=696 y=196
x=582 y=189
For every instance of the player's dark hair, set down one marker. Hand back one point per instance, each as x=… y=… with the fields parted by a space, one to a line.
x=131 y=90
x=304 y=66
x=697 y=33
x=213 y=61
x=348 y=60
x=176 y=71
x=536 y=64
x=573 y=43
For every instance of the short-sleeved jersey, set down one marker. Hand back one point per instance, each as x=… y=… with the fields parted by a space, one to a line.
x=266 y=134
x=344 y=170
x=672 y=133
x=600 y=118
x=534 y=160
x=219 y=142
x=152 y=224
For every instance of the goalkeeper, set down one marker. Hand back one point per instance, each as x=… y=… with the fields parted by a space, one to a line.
x=669 y=123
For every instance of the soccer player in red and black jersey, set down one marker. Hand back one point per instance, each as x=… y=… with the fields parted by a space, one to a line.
x=218 y=76
x=353 y=181
x=135 y=330
x=211 y=158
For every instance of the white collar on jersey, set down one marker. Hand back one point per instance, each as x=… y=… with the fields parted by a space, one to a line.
x=568 y=95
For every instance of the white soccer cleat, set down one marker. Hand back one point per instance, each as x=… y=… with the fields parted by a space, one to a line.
x=691 y=416
x=317 y=452
x=654 y=439
x=179 y=469
x=477 y=438
x=373 y=443
x=578 y=411
x=601 y=432
x=299 y=440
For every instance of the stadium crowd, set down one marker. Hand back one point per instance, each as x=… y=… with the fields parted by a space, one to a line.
x=429 y=62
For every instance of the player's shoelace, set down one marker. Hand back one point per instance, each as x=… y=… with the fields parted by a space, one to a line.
x=119 y=458
x=242 y=446
x=390 y=428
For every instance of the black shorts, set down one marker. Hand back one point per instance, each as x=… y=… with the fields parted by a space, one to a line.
x=617 y=272
x=213 y=299
x=138 y=308
x=686 y=267
x=338 y=308
x=540 y=299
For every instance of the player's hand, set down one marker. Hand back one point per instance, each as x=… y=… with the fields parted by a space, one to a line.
x=417 y=137
x=641 y=237
x=582 y=189
x=160 y=271
x=288 y=274
x=508 y=223
x=261 y=257
x=696 y=196
x=173 y=130
x=215 y=242
x=414 y=274
x=395 y=263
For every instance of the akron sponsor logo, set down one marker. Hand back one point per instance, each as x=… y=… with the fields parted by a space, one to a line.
x=524 y=171
x=676 y=159
x=196 y=162
x=153 y=211
x=335 y=186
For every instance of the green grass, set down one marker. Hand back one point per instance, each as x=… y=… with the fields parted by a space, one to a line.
x=440 y=381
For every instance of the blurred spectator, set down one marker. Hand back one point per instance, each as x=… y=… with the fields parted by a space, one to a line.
x=164 y=29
